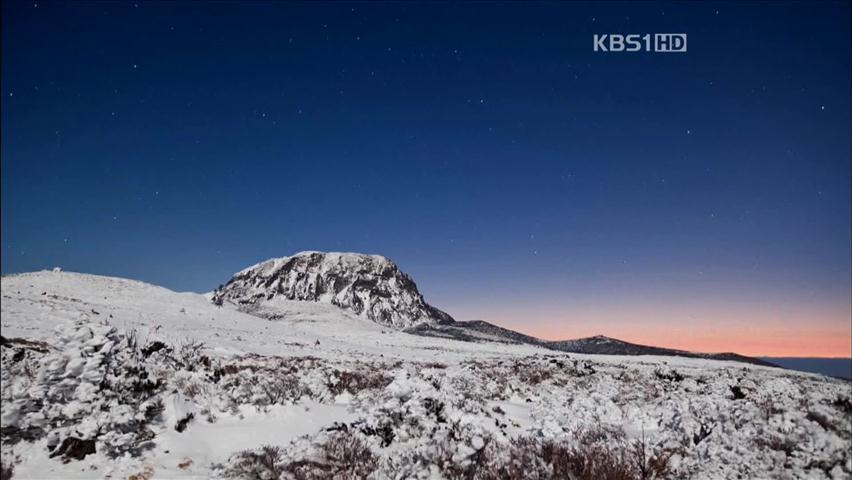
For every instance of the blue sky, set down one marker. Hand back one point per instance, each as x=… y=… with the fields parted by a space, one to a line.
x=485 y=147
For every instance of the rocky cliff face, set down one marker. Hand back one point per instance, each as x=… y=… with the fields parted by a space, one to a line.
x=368 y=285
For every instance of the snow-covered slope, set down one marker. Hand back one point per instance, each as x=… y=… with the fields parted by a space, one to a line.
x=113 y=378
x=370 y=286
x=35 y=303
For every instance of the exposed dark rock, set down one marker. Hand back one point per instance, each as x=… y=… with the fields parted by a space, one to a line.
x=153 y=347
x=36 y=346
x=181 y=424
x=73 y=448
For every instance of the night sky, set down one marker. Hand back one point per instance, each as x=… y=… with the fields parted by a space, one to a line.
x=697 y=200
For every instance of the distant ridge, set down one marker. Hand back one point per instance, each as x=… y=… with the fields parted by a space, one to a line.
x=602 y=345
x=478 y=330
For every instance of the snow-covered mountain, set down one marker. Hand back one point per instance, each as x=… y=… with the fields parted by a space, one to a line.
x=370 y=286
x=113 y=378
x=374 y=288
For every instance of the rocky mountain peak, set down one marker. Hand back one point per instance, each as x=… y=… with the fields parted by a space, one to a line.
x=370 y=286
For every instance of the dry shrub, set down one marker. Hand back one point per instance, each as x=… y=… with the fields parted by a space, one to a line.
x=354 y=382
x=343 y=456
x=593 y=455
x=190 y=354
x=531 y=373
x=671 y=375
x=435 y=365
x=778 y=443
x=704 y=431
x=264 y=464
x=844 y=404
x=822 y=420
x=279 y=388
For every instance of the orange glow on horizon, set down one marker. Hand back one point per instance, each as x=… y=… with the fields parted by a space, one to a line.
x=753 y=330
x=767 y=343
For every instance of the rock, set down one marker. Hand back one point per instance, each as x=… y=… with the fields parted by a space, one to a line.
x=73 y=448
x=370 y=286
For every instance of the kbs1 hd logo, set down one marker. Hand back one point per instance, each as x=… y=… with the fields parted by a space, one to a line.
x=657 y=42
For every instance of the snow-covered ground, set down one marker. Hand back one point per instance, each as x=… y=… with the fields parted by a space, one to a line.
x=167 y=385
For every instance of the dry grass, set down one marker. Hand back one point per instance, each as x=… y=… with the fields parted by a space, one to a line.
x=356 y=381
x=264 y=464
x=343 y=455
x=591 y=455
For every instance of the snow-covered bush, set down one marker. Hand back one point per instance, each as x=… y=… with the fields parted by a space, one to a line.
x=338 y=455
x=264 y=381
x=95 y=392
x=102 y=392
x=263 y=464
